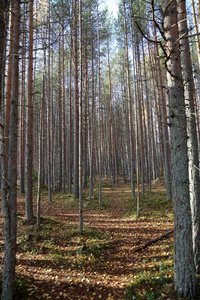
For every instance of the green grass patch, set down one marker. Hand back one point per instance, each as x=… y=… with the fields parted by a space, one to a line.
x=154 y=206
x=154 y=283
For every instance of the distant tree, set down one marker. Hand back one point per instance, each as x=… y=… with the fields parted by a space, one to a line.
x=80 y=121
x=129 y=106
x=22 y=106
x=76 y=111
x=29 y=121
x=99 y=103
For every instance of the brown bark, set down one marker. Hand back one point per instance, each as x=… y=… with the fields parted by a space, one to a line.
x=60 y=115
x=193 y=159
x=4 y=6
x=129 y=104
x=80 y=122
x=162 y=117
x=184 y=267
x=8 y=97
x=29 y=122
x=22 y=113
x=49 y=167
x=76 y=111
x=63 y=118
x=99 y=104
x=10 y=202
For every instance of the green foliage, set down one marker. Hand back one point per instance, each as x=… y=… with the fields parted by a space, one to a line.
x=154 y=206
x=155 y=283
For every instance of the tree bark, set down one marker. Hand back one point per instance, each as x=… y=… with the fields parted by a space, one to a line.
x=4 y=6
x=22 y=112
x=80 y=123
x=10 y=205
x=92 y=133
x=76 y=111
x=162 y=119
x=192 y=144
x=29 y=125
x=63 y=117
x=60 y=114
x=99 y=103
x=184 y=268
x=129 y=105
x=49 y=167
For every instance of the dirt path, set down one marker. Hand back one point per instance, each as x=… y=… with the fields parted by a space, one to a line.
x=85 y=268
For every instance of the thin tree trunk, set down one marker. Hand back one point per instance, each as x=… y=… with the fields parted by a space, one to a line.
x=4 y=17
x=22 y=112
x=4 y=7
x=86 y=127
x=92 y=133
x=163 y=120
x=99 y=103
x=80 y=123
x=129 y=105
x=29 y=128
x=10 y=205
x=60 y=115
x=76 y=111
x=49 y=175
x=70 y=118
x=39 y=168
x=7 y=104
x=63 y=118
x=41 y=124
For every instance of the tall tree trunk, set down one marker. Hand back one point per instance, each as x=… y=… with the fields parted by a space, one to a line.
x=4 y=6
x=192 y=144
x=129 y=104
x=39 y=167
x=80 y=122
x=6 y=117
x=22 y=110
x=63 y=117
x=49 y=168
x=29 y=123
x=86 y=128
x=140 y=118
x=70 y=115
x=60 y=115
x=76 y=111
x=184 y=267
x=92 y=133
x=99 y=103
x=10 y=205
x=112 y=152
x=163 y=119
x=41 y=124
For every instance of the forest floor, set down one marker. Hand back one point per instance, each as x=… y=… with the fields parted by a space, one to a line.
x=106 y=262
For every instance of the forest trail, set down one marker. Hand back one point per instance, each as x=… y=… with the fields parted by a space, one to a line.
x=57 y=263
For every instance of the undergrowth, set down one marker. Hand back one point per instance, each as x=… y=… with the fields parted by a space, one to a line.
x=156 y=283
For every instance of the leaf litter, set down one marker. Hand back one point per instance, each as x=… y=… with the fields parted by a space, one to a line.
x=55 y=262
